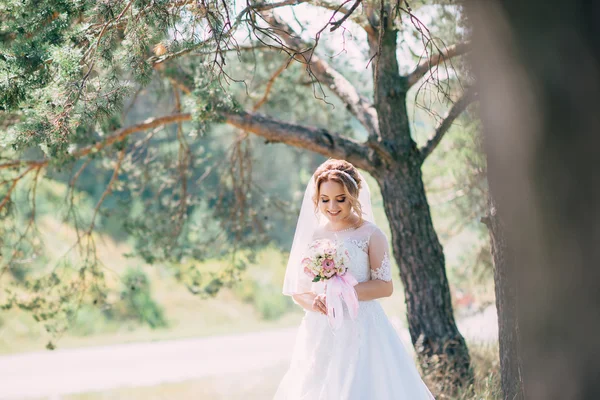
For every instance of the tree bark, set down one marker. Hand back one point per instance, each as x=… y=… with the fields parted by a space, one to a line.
x=440 y=347
x=314 y=139
x=538 y=68
x=506 y=304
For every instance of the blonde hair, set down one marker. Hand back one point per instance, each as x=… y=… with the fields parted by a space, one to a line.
x=346 y=174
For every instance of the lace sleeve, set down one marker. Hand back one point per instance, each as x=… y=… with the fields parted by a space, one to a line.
x=379 y=257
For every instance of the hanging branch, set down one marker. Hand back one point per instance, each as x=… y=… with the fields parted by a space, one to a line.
x=107 y=190
x=13 y=184
x=432 y=61
x=184 y=159
x=461 y=105
x=270 y=83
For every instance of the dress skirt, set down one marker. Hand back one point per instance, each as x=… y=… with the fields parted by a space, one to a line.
x=363 y=360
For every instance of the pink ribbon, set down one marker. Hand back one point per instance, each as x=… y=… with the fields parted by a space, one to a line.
x=341 y=288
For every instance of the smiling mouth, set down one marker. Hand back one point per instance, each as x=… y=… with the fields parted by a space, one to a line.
x=334 y=213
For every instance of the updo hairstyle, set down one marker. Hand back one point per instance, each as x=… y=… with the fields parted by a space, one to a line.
x=330 y=171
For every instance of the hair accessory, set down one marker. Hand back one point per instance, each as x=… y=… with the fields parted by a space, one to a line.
x=343 y=173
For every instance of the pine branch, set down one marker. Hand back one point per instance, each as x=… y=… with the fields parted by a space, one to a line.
x=118 y=136
x=257 y=7
x=310 y=138
x=326 y=75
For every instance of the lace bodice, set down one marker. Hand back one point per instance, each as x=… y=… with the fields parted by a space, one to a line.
x=368 y=250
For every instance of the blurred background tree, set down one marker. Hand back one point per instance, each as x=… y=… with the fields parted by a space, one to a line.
x=538 y=69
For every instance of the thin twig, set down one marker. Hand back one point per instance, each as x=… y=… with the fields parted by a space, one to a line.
x=468 y=97
x=14 y=184
x=265 y=96
x=107 y=190
x=337 y=24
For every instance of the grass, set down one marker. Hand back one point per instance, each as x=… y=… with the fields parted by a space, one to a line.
x=486 y=368
x=485 y=365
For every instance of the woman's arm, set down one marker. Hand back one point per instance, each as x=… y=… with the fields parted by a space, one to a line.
x=374 y=289
x=380 y=284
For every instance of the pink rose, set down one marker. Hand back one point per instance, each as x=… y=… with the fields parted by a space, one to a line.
x=328 y=264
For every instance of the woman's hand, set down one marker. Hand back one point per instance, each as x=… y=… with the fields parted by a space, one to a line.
x=320 y=304
x=311 y=301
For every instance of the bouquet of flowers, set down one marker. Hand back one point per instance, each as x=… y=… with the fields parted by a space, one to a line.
x=324 y=260
x=327 y=261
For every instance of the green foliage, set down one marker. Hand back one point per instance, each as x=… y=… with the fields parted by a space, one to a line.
x=28 y=30
x=62 y=63
x=89 y=321
x=209 y=96
x=99 y=320
x=137 y=302
x=260 y=285
x=266 y=298
x=270 y=303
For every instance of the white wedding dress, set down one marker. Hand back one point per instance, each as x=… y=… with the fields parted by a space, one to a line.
x=363 y=360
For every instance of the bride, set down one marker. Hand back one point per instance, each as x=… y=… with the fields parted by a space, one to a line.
x=364 y=359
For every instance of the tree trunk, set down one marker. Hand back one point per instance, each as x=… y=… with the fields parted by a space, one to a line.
x=538 y=67
x=440 y=347
x=506 y=304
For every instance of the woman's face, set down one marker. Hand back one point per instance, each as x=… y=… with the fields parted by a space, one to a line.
x=333 y=202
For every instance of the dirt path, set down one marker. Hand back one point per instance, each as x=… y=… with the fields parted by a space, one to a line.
x=66 y=371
